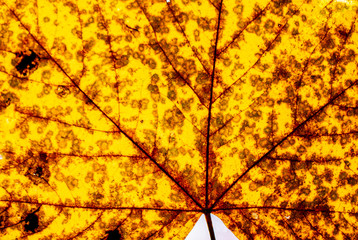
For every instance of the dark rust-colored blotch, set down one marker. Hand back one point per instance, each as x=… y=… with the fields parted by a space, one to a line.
x=39 y=171
x=27 y=63
x=43 y=156
x=31 y=222
x=113 y=235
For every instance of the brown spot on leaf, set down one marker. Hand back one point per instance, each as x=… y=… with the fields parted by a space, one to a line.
x=113 y=235
x=31 y=222
x=5 y=100
x=28 y=62
x=43 y=156
x=343 y=33
x=62 y=91
x=281 y=73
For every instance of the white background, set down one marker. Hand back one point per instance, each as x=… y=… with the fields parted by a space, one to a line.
x=201 y=231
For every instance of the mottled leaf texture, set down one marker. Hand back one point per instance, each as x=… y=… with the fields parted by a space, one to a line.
x=129 y=119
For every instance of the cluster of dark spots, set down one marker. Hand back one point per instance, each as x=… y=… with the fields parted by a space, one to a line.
x=354 y=198
x=281 y=73
x=315 y=78
x=322 y=191
x=186 y=104
x=203 y=81
x=293 y=10
x=4 y=219
x=256 y=80
x=281 y=3
x=153 y=88
x=157 y=24
x=328 y=175
x=339 y=70
x=291 y=182
x=305 y=191
x=334 y=59
x=345 y=179
x=202 y=78
x=175 y=80
x=173 y=118
x=279 y=6
x=294 y=63
x=28 y=62
x=327 y=41
x=205 y=23
x=38 y=169
x=333 y=195
x=121 y=61
x=43 y=156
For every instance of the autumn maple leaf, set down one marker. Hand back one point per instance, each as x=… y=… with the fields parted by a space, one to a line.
x=130 y=119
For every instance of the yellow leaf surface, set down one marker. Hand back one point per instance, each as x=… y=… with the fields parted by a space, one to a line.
x=129 y=119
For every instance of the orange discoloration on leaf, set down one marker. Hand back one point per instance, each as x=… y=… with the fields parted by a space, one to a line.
x=129 y=119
